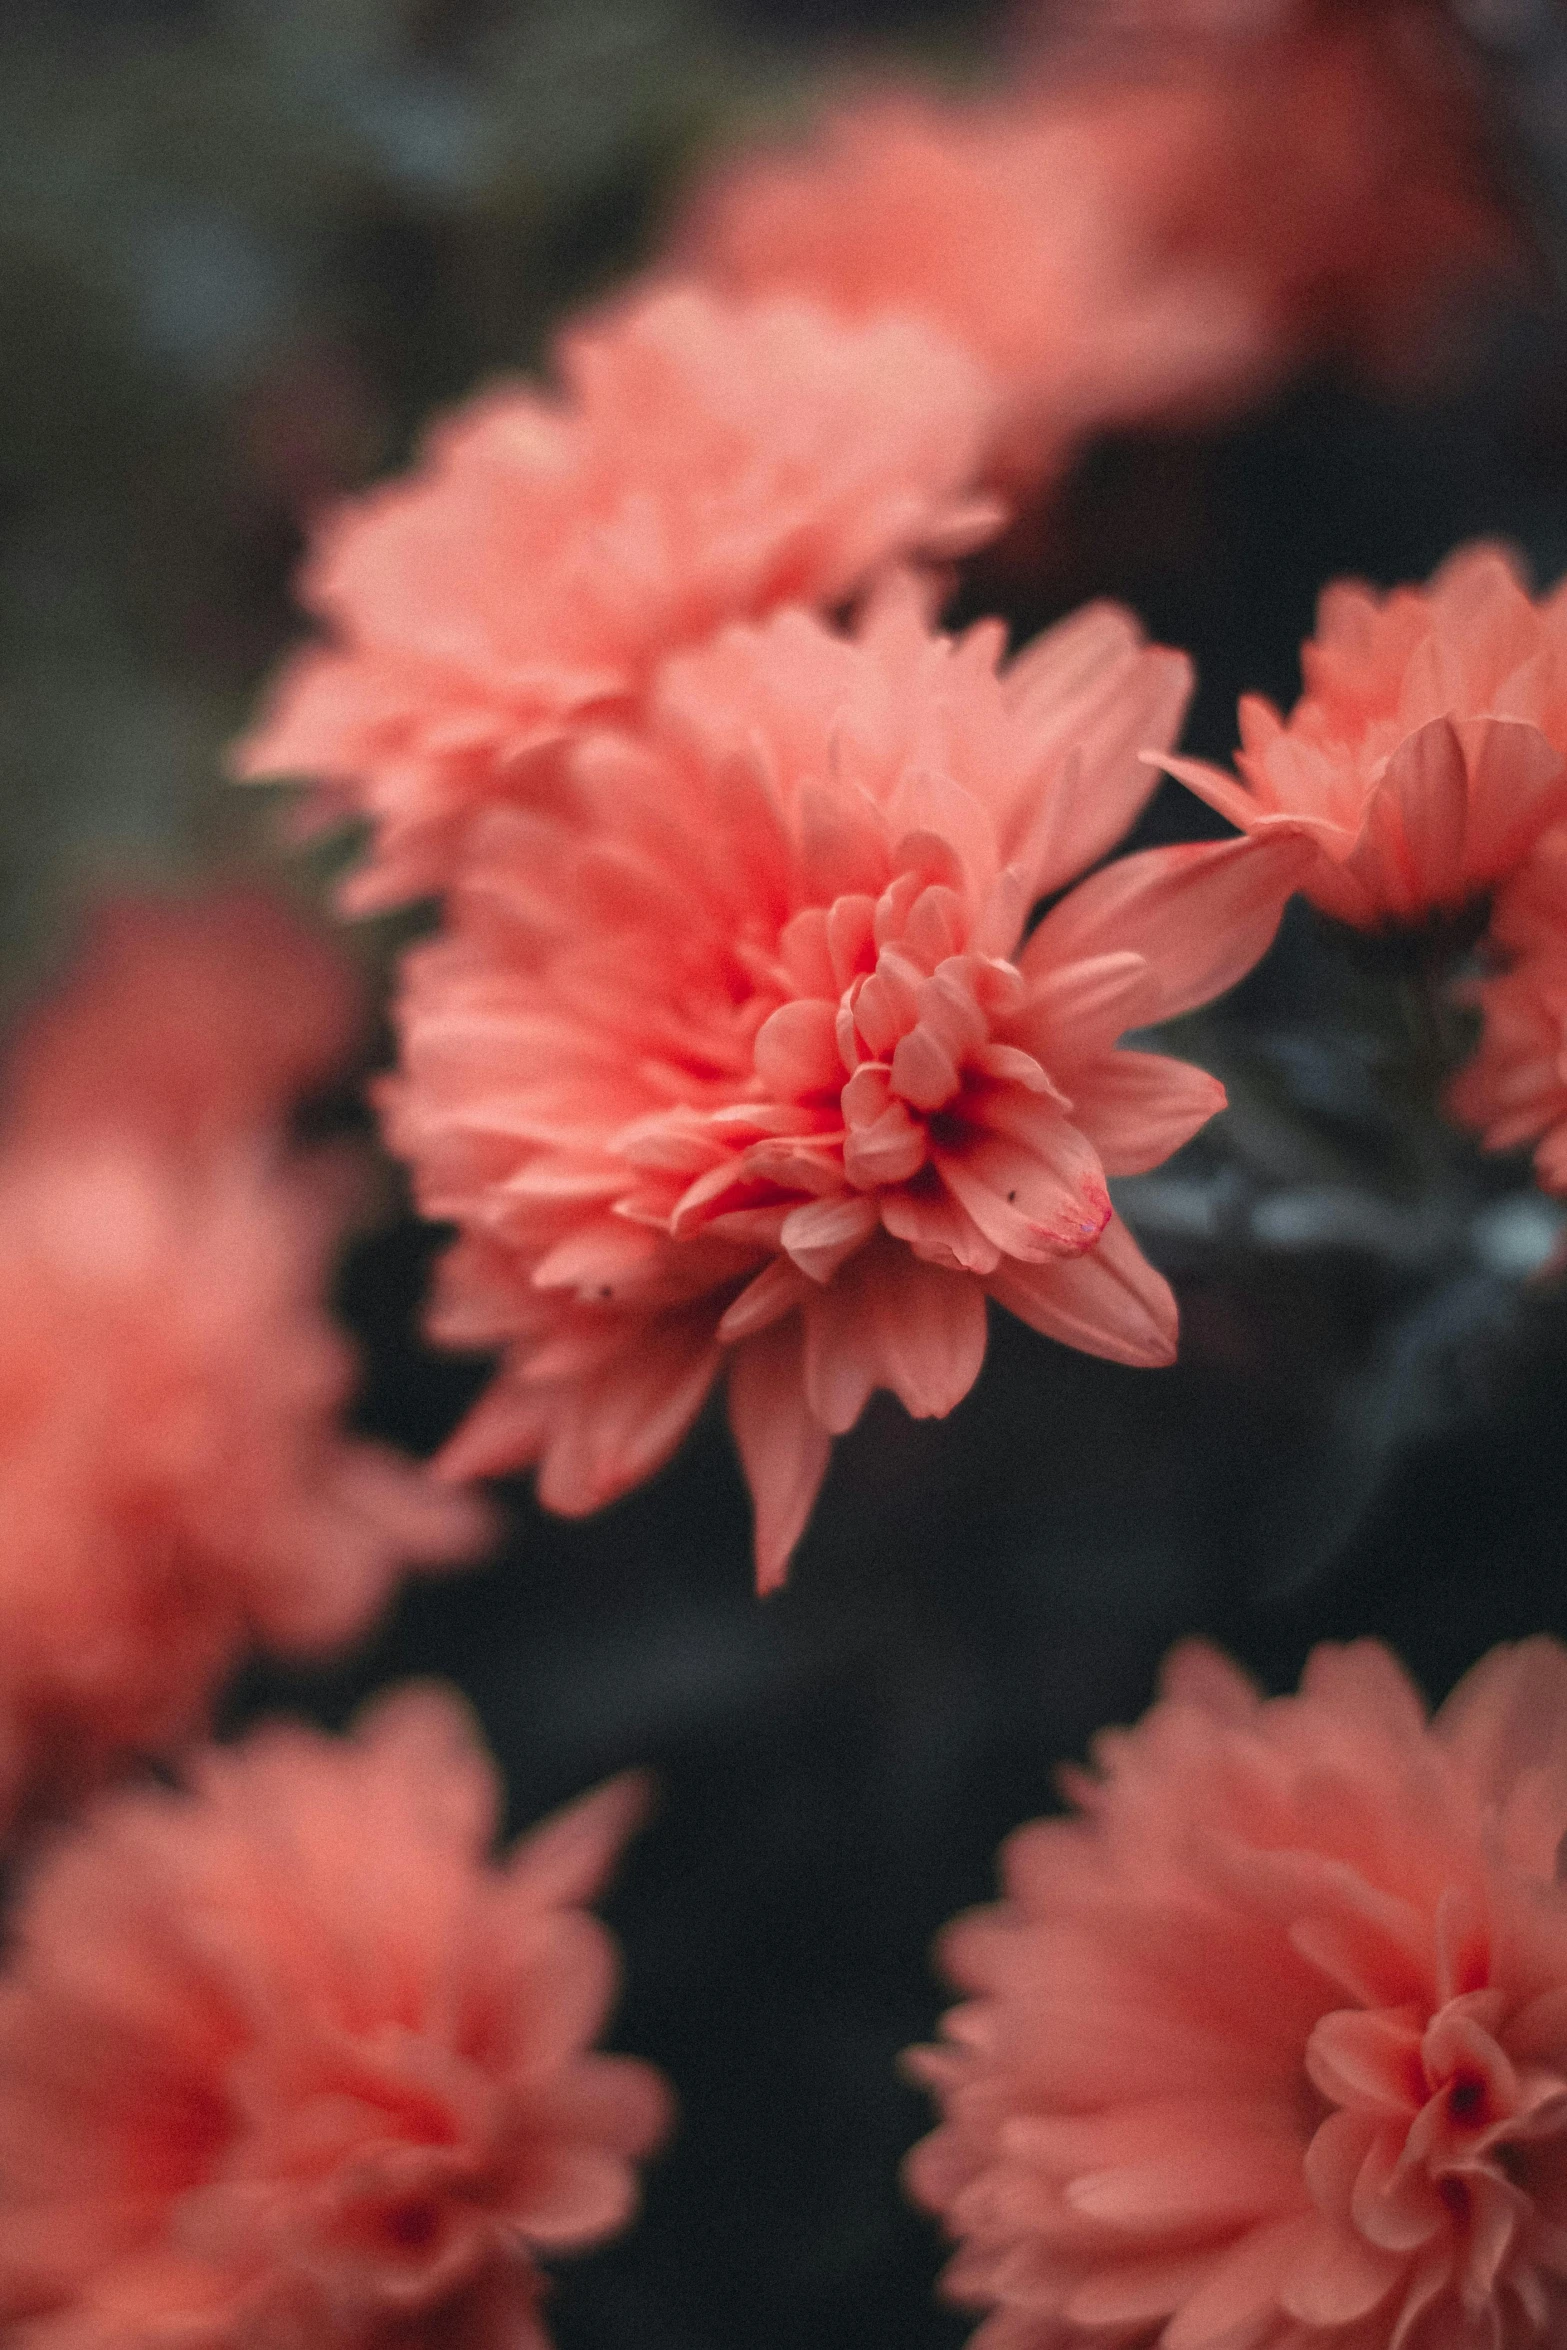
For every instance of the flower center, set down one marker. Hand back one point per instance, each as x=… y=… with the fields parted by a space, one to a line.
x=413 y=2227
x=1466 y=2098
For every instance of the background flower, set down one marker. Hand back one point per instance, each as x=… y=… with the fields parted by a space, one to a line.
x=193 y=1020
x=1029 y=233
x=1513 y=1090
x=174 y=1476
x=283 y=2058
x=1271 y=2043
x=175 y=1479
x=704 y=462
x=1428 y=752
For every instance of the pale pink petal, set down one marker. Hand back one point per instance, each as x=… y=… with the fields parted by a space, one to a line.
x=930 y=1327
x=1136 y=1108
x=567 y=1861
x=1197 y=1674
x=1428 y=779
x=1109 y=1302
x=1200 y=915
x=783 y=1448
x=1517 y=785
x=1508 y=1716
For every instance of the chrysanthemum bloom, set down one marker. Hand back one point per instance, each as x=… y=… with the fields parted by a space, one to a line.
x=1023 y=232
x=1268 y=2046
x=195 y=1020
x=704 y=462
x=285 y=2062
x=175 y=1482
x=741 y=1060
x=1428 y=752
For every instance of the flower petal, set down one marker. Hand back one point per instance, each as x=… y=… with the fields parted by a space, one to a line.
x=1200 y=914
x=1108 y=1302
x=783 y=1448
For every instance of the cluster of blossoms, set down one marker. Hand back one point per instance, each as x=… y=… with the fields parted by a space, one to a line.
x=738 y=1055
x=771 y=1034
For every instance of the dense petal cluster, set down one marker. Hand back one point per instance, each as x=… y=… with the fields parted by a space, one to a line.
x=745 y=1058
x=703 y=461
x=1269 y=2044
x=175 y=1482
x=1024 y=232
x=284 y=2060
x=1428 y=753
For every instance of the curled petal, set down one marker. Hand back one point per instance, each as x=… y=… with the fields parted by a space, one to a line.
x=1109 y=1301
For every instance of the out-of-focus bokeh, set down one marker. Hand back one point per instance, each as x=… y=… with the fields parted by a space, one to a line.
x=245 y=247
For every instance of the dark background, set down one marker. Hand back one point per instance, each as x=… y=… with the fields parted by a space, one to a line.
x=244 y=248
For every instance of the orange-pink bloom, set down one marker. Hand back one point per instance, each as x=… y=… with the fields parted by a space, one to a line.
x=284 y=2060
x=1268 y=2045
x=175 y=1482
x=745 y=1058
x=704 y=461
x=1428 y=752
x=1022 y=231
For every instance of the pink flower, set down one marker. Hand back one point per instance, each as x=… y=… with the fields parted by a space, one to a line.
x=741 y=1061
x=706 y=461
x=1514 y=1088
x=196 y=1020
x=1330 y=165
x=1268 y=2046
x=284 y=2061
x=1429 y=750
x=175 y=1483
x=1022 y=231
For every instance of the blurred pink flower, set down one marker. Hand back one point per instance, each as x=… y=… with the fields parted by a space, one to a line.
x=1513 y=1090
x=1428 y=752
x=1023 y=231
x=175 y=1483
x=195 y=1020
x=741 y=1059
x=705 y=461
x=284 y=2061
x=1329 y=161
x=1269 y=2045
